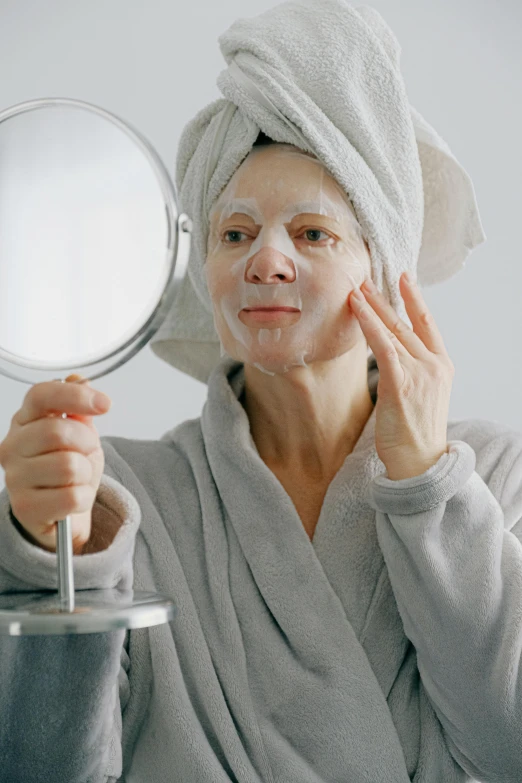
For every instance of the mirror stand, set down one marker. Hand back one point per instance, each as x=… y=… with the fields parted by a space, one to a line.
x=98 y=199
x=64 y=554
x=86 y=611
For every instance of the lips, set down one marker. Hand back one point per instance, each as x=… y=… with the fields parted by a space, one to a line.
x=270 y=317
x=276 y=309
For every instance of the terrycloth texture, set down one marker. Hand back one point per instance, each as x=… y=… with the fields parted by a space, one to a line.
x=386 y=650
x=61 y=697
x=325 y=76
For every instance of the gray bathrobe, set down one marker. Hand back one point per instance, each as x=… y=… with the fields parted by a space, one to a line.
x=388 y=649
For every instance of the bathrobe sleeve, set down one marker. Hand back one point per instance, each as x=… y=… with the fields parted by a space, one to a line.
x=451 y=540
x=62 y=697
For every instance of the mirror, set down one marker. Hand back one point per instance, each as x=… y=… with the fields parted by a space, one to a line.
x=92 y=250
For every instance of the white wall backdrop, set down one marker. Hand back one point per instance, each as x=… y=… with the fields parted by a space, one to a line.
x=155 y=63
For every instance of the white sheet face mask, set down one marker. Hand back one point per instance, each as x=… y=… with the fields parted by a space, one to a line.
x=284 y=234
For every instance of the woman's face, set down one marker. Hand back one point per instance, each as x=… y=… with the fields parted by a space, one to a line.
x=284 y=234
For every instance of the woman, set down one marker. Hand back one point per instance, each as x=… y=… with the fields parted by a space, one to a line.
x=298 y=361
x=346 y=563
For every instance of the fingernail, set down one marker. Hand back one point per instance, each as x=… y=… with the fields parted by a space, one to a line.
x=358 y=294
x=101 y=401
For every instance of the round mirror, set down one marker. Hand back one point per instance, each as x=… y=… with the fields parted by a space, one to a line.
x=89 y=234
x=92 y=250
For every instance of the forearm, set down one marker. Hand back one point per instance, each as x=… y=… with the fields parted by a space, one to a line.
x=456 y=574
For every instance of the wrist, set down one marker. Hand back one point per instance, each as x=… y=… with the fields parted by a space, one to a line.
x=77 y=548
x=27 y=536
x=397 y=470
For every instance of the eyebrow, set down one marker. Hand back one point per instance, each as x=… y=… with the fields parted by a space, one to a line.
x=303 y=208
x=240 y=206
x=308 y=207
x=329 y=220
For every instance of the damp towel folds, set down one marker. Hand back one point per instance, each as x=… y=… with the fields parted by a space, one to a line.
x=325 y=76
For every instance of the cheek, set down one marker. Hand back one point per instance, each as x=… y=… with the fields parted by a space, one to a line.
x=215 y=280
x=221 y=287
x=331 y=286
x=221 y=280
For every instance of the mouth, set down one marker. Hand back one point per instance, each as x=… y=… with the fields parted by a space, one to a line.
x=278 y=316
x=270 y=309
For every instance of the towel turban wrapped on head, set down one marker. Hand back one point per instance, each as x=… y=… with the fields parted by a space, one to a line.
x=323 y=76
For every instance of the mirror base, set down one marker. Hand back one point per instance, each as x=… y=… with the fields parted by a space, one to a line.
x=95 y=611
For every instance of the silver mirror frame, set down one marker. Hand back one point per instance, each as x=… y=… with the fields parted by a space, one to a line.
x=177 y=250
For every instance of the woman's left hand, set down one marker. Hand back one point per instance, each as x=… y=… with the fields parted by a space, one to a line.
x=415 y=379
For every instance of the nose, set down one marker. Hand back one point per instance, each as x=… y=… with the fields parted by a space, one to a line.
x=269 y=266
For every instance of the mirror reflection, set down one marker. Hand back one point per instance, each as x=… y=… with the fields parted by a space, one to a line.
x=83 y=240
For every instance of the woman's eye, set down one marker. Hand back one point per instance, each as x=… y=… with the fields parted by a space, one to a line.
x=312 y=235
x=234 y=233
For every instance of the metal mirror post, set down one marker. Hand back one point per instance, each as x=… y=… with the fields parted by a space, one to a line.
x=92 y=253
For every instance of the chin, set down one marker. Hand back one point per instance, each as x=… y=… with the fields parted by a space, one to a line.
x=279 y=358
x=276 y=363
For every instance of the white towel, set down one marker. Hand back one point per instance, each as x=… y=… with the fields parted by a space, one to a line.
x=324 y=76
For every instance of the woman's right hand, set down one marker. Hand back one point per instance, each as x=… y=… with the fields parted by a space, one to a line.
x=53 y=466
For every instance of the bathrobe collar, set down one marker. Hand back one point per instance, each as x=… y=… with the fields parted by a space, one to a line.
x=331 y=597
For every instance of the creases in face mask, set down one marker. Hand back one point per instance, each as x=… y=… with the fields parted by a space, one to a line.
x=280 y=291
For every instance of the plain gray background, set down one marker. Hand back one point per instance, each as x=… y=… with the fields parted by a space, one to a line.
x=155 y=63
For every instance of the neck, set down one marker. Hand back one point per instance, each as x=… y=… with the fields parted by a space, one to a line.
x=306 y=421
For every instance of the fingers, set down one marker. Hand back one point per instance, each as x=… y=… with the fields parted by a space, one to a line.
x=422 y=320
x=385 y=346
x=35 y=505
x=47 y=435
x=57 y=469
x=53 y=465
x=382 y=313
x=52 y=397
